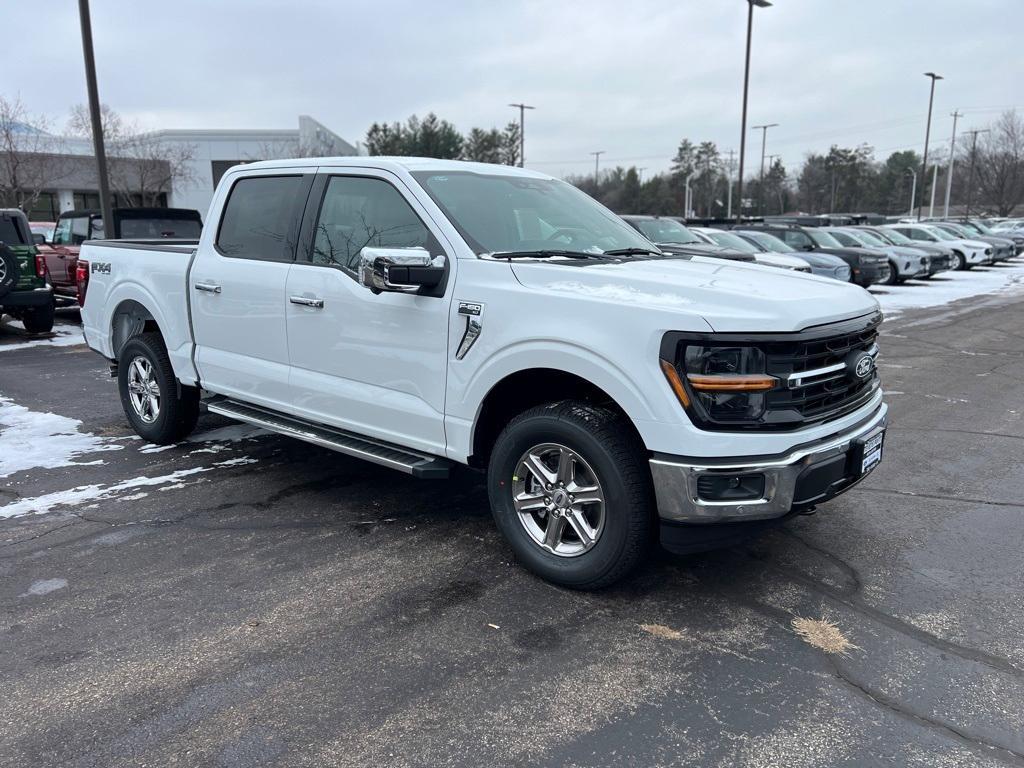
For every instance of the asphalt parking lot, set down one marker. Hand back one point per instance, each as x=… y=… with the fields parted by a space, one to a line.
x=242 y=599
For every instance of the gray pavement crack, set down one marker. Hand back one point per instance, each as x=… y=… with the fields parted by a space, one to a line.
x=941 y=497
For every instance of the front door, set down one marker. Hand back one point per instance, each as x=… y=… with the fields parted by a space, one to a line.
x=237 y=289
x=372 y=364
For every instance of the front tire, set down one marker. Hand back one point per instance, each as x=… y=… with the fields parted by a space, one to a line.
x=958 y=262
x=159 y=408
x=894 y=275
x=571 y=492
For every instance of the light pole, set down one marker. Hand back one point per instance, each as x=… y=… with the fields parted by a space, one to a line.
x=597 y=161
x=927 y=135
x=913 y=186
x=970 y=173
x=95 y=117
x=746 y=87
x=764 y=138
x=728 y=184
x=952 y=157
x=522 y=130
x=687 y=206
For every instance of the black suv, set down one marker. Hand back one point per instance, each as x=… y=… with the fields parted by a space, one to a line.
x=865 y=268
x=672 y=237
x=24 y=293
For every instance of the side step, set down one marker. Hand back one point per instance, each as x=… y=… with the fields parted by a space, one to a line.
x=417 y=464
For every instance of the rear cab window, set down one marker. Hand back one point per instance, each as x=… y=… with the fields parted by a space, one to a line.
x=259 y=219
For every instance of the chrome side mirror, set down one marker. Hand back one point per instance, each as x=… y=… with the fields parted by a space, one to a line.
x=400 y=270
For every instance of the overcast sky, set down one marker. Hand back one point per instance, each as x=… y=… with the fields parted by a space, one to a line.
x=629 y=78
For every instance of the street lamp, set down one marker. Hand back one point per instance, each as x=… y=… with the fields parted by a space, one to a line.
x=95 y=116
x=927 y=135
x=522 y=130
x=764 y=138
x=746 y=87
x=913 y=185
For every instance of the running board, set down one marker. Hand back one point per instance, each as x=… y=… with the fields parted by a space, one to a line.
x=417 y=464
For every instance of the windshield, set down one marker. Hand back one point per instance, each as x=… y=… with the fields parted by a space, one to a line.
x=822 y=239
x=505 y=213
x=977 y=226
x=940 y=233
x=729 y=240
x=847 y=238
x=46 y=230
x=667 y=231
x=770 y=242
x=154 y=229
x=896 y=237
x=869 y=238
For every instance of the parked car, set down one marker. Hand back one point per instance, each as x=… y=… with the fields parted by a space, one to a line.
x=988 y=228
x=24 y=293
x=761 y=256
x=42 y=232
x=866 y=268
x=672 y=237
x=939 y=256
x=1003 y=248
x=966 y=253
x=904 y=263
x=75 y=227
x=822 y=264
x=424 y=313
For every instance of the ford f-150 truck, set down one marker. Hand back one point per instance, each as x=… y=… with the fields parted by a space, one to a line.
x=424 y=313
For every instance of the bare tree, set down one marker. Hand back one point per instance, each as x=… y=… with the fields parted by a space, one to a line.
x=142 y=166
x=999 y=172
x=31 y=159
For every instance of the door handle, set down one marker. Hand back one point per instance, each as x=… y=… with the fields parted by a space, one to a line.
x=207 y=287
x=305 y=301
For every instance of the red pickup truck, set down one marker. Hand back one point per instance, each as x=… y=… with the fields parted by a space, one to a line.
x=75 y=227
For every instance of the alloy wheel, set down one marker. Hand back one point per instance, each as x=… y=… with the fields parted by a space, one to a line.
x=558 y=499
x=143 y=389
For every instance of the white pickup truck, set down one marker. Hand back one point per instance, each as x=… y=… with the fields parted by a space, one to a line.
x=423 y=313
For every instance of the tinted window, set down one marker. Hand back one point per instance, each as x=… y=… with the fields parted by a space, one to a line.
x=666 y=231
x=259 y=217
x=359 y=212
x=794 y=238
x=9 y=232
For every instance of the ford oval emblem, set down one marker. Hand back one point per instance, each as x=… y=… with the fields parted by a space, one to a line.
x=865 y=365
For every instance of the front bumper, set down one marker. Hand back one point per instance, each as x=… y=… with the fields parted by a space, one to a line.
x=869 y=274
x=804 y=476
x=34 y=297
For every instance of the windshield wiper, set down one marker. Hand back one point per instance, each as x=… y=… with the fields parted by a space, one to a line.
x=545 y=254
x=632 y=252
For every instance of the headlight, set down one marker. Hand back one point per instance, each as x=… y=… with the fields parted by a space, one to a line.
x=725 y=384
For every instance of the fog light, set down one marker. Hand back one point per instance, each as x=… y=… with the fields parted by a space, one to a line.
x=730 y=487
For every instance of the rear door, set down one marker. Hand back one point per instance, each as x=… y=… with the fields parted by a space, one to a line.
x=237 y=287
x=375 y=364
x=62 y=258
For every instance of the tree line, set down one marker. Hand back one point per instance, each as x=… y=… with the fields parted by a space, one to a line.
x=433 y=137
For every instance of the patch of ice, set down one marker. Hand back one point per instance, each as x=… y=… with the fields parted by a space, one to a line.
x=85 y=494
x=45 y=586
x=135 y=496
x=622 y=293
x=31 y=439
x=947 y=287
x=153 y=448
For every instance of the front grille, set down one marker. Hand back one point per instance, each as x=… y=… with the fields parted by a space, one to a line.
x=832 y=392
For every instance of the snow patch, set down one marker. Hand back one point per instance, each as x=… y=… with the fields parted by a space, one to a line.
x=86 y=494
x=45 y=586
x=622 y=293
x=31 y=439
x=154 y=448
x=63 y=336
x=947 y=287
x=232 y=433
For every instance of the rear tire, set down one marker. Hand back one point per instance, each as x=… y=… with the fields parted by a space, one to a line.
x=606 y=460
x=159 y=408
x=39 y=319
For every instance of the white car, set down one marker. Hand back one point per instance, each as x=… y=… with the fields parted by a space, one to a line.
x=730 y=240
x=966 y=253
x=423 y=314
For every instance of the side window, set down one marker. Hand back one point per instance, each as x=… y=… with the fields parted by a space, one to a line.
x=79 y=230
x=259 y=220
x=62 y=232
x=796 y=239
x=360 y=211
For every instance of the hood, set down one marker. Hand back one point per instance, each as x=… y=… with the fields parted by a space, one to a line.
x=705 y=249
x=847 y=253
x=781 y=260
x=729 y=297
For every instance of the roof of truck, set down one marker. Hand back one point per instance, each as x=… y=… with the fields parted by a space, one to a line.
x=410 y=164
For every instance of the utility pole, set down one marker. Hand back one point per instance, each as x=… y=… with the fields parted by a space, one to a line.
x=522 y=130
x=913 y=186
x=728 y=185
x=640 y=173
x=952 y=157
x=597 y=161
x=970 y=173
x=935 y=179
x=927 y=135
x=95 y=118
x=764 y=138
x=746 y=88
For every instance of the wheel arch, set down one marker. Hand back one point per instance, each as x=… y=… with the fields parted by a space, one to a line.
x=130 y=318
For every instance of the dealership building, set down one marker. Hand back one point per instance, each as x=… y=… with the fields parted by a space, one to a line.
x=74 y=184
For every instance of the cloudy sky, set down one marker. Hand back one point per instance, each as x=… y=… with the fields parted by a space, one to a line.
x=629 y=78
